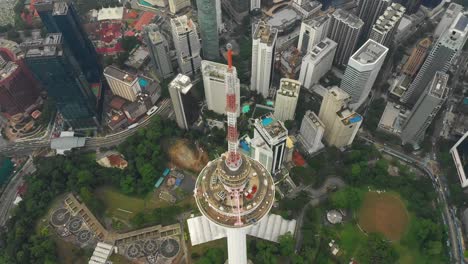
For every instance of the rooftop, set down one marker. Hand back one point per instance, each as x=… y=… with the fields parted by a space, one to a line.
x=266 y=33
x=370 y=52
x=348 y=116
x=390 y=17
x=153 y=34
x=182 y=24
x=7 y=69
x=389 y=118
x=348 y=18
x=111 y=13
x=322 y=48
x=283 y=18
x=119 y=74
x=214 y=69
x=271 y=126
x=49 y=46
x=289 y=87
x=314 y=118
x=182 y=83
x=317 y=21
x=438 y=87
x=455 y=37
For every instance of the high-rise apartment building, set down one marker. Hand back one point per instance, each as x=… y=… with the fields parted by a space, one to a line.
x=311 y=132
x=369 y=10
x=425 y=109
x=447 y=47
x=269 y=142
x=263 y=55
x=187 y=44
x=56 y=69
x=286 y=99
x=215 y=87
x=62 y=17
x=317 y=62
x=417 y=57
x=18 y=88
x=159 y=51
x=122 y=83
x=362 y=70
x=344 y=30
x=449 y=16
x=176 y=5
x=341 y=123
x=312 y=32
x=383 y=31
x=208 y=22
x=183 y=101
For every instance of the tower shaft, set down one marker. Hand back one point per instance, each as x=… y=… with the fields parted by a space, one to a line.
x=233 y=160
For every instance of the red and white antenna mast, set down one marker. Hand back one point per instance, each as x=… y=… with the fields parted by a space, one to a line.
x=233 y=160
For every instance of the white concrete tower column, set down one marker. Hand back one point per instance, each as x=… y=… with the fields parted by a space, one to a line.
x=237 y=245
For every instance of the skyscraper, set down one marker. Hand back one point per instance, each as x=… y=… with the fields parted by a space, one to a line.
x=425 y=109
x=317 y=62
x=214 y=82
x=122 y=83
x=369 y=10
x=312 y=32
x=159 y=51
x=449 y=16
x=344 y=30
x=286 y=99
x=177 y=5
x=362 y=70
x=62 y=17
x=56 y=69
x=263 y=55
x=208 y=22
x=417 y=57
x=184 y=103
x=341 y=123
x=187 y=44
x=311 y=132
x=447 y=47
x=18 y=89
x=383 y=31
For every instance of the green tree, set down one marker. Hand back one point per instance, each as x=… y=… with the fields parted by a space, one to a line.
x=286 y=244
x=377 y=251
x=349 y=198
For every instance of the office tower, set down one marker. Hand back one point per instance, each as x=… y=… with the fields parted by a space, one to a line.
x=234 y=194
x=208 y=22
x=56 y=69
x=317 y=62
x=362 y=70
x=159 y=51
x=311 y=132
x=263 y=55
x=214 y=81
x=459 y=153
x=383 y=31
x=312 y=32
x=341 y=123
x=449 y=16
x=417 y=57
x=269 y=142
x=183 y=101
x=286 y=99
x=219 y=15
x=122 y=83
x=369 y=10
x=18 y=88
x=425 y=109
x=344 y=30
x=62 y=17
x=187 y=44
x=236 y=9
x=447 y=47
x=177 y=5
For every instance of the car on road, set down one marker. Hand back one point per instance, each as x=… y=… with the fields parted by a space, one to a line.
x=152 y=110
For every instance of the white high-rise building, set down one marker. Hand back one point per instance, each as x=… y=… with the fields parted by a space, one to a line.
x=425 y=110
x=215 y=86
x=453 y=10
x=187 y=44
x=369 y=11
x=122 y=83
x=312 y=32
x=286 y=99
x=177 y=5
x=311 y=132
x=159 y=51
x=263 y=55
x=183 y=102
x=341 y=123
x=362 y=70
x=255 y=5
x=269 y=142
x=317 y=62
x=383 y=31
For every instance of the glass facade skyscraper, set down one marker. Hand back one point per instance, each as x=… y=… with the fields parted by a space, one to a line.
x=208 y=29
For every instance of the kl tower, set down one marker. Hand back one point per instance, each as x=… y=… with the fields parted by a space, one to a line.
x=234 y=192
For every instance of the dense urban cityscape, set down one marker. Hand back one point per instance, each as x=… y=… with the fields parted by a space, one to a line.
x=233 y=131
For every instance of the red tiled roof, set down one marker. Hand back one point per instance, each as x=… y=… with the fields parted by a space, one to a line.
x=117 y=161
x=117 y=103
x=144 y=19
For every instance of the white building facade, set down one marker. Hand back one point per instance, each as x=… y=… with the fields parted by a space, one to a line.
x=187 y=44
x=177 y=5
x=122 y=83
x=312 y=32
x=286 y=99
x=311 y=132
x=317 y=62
